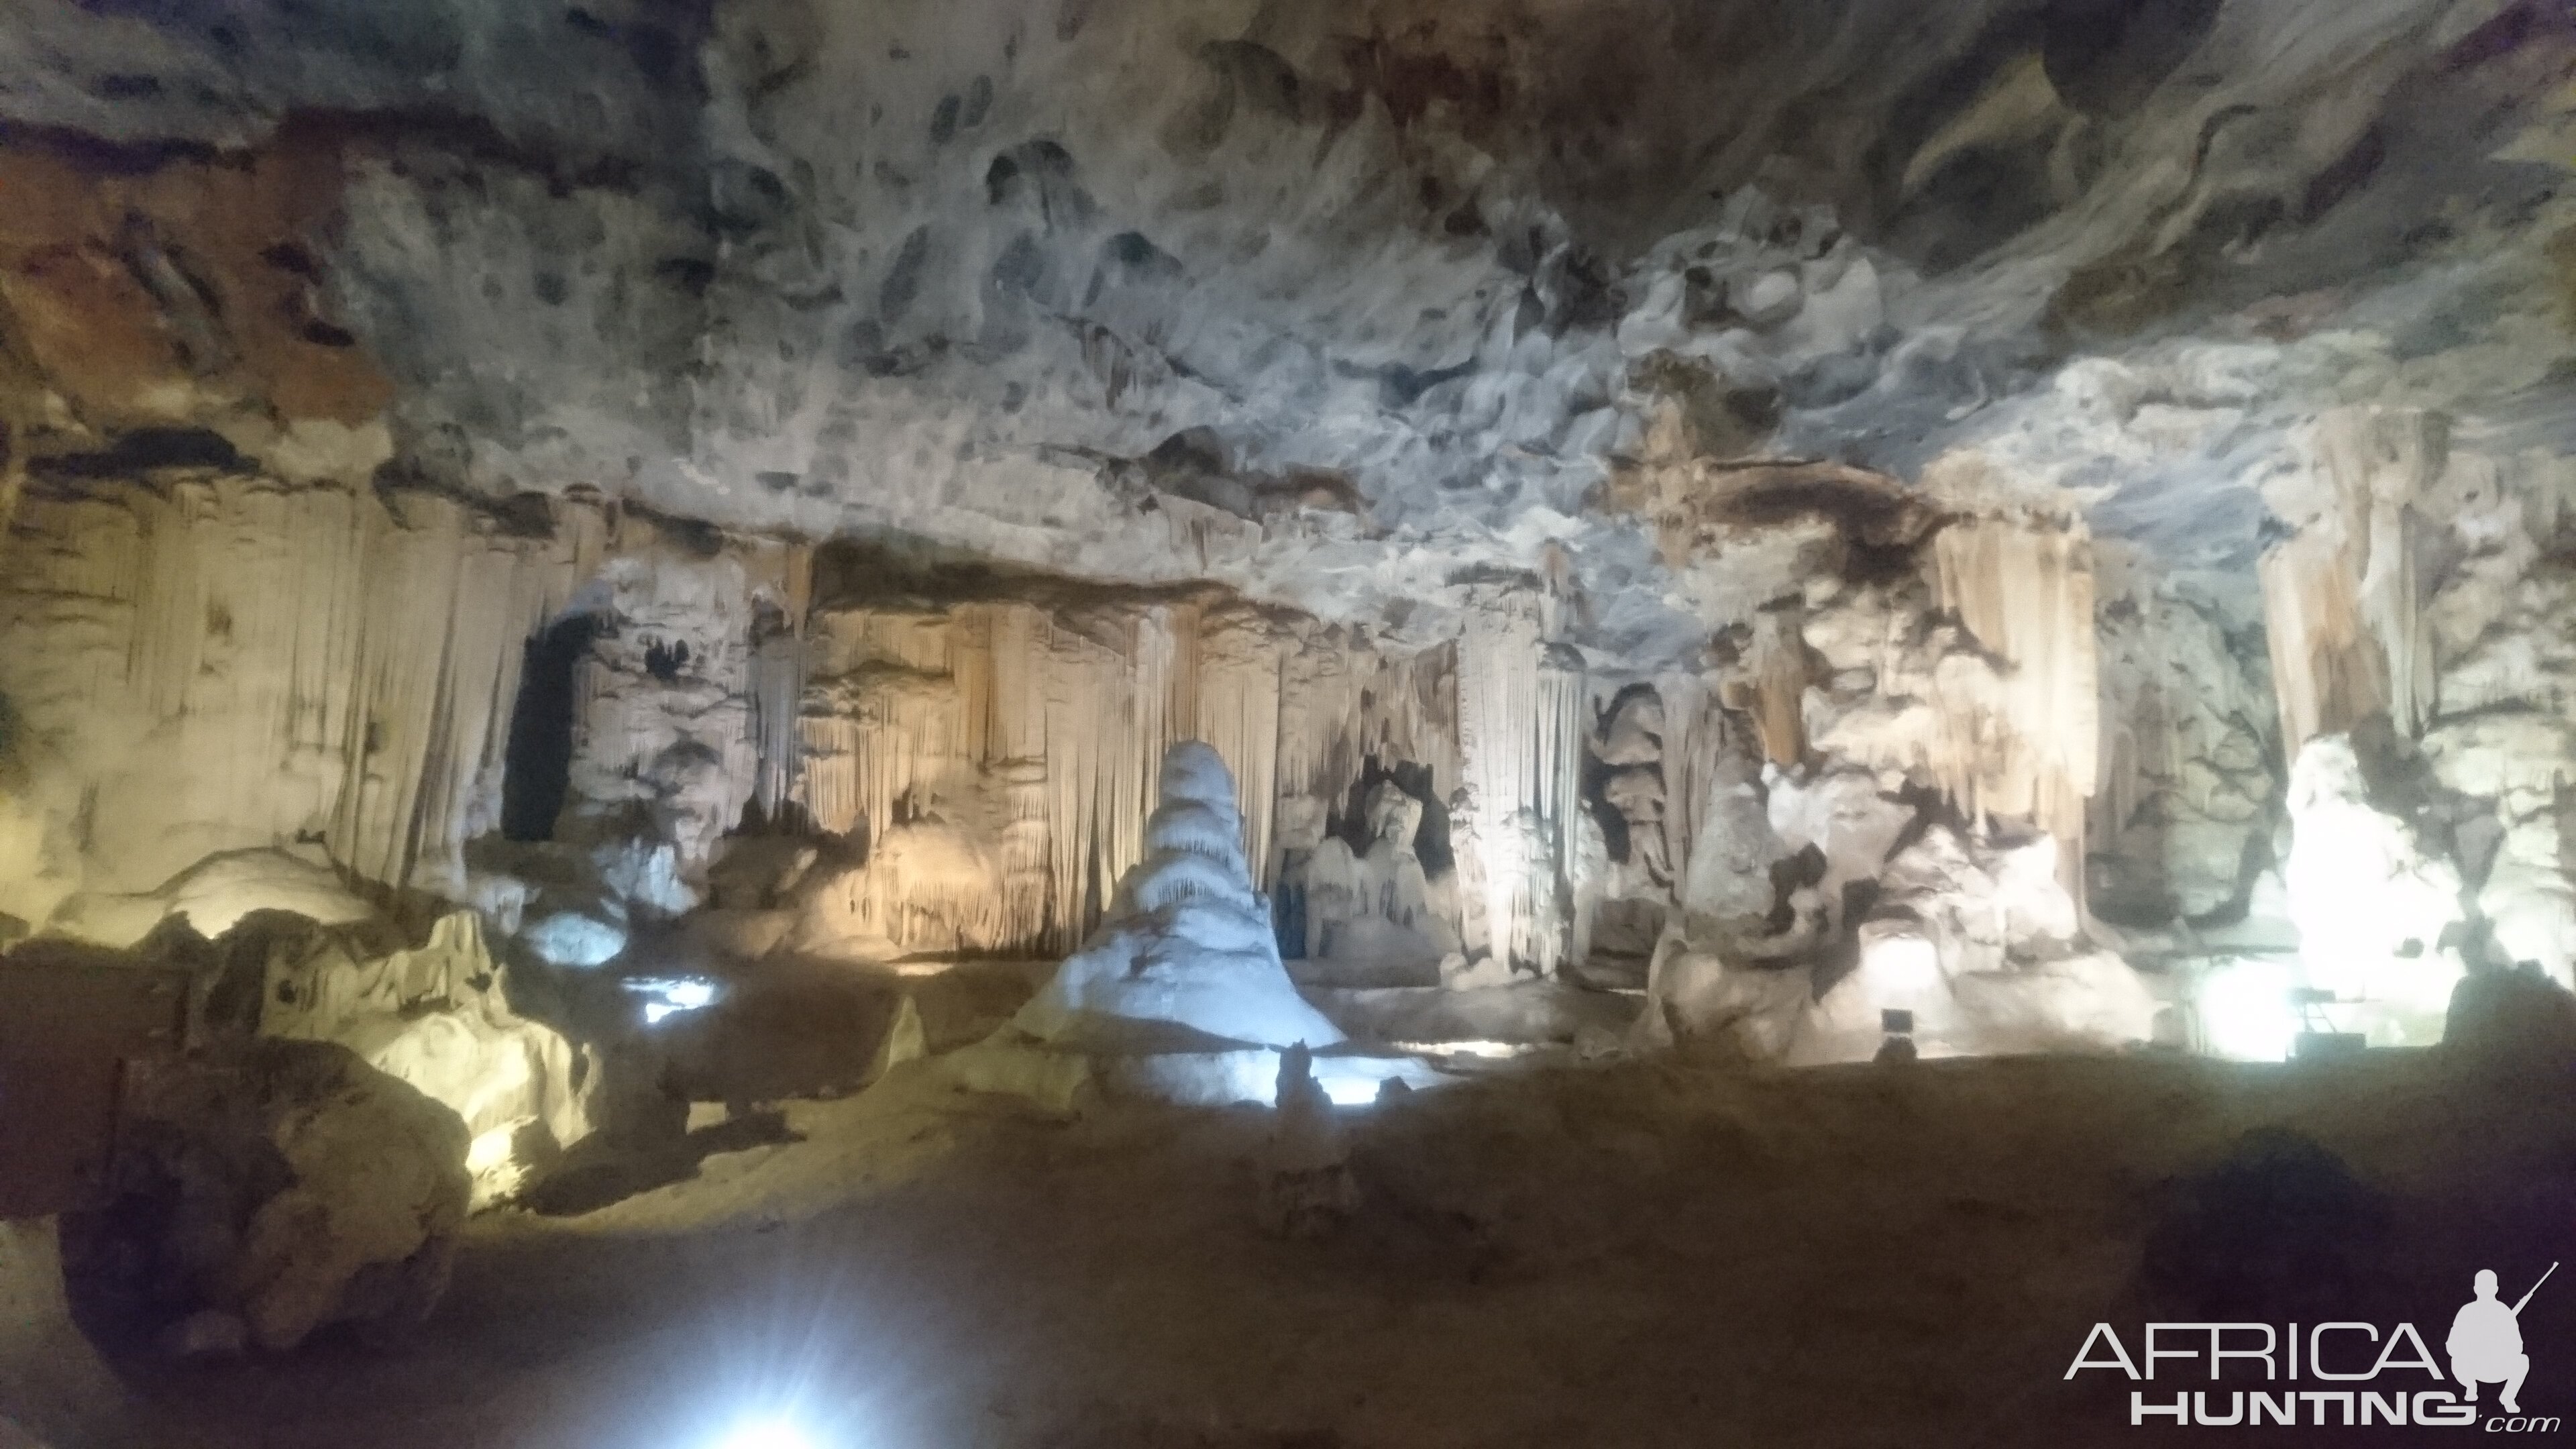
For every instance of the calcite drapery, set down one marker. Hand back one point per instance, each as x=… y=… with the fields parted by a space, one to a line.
x=224 y=662
x=2344 y=595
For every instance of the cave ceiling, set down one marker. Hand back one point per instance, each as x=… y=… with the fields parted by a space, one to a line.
x=1348 y=303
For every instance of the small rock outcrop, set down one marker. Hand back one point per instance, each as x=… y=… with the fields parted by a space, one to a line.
x=2514 y=1017
x=1306 y=1185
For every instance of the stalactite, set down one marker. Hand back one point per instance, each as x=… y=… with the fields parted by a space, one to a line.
x=1780 y=673
x=777 y=673
x=777 y=694
x=2023 y=740
x=1520 y=740
x=2329 y=672
x=1410 y=712
x=1321 y=683
x=1238 y=712
x=232 y=663
x=2343 y=601
x=1695 y=735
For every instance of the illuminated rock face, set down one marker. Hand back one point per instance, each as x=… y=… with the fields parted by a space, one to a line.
x=1979 y=944
x=438 y=1018
x=2379 y=917
x=2418 y=625
x=1374 y=910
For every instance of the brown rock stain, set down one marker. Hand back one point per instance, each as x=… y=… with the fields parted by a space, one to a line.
x=113 y=281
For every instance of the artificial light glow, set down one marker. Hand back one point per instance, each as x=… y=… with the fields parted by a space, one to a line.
x=769 y=1434
x=668 y=996
x=1348 y=1089
x=2245 y=1012
x=1473 y=1047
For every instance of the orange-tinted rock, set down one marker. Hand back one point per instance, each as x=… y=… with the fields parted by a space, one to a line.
x=161 y=297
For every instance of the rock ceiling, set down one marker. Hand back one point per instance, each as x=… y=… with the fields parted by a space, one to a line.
x=1349 y=303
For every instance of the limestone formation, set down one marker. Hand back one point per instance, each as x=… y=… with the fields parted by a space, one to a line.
x=1180 y=992
x=578 y=561
x=1186 y=943
x=1372 y=912
x=2182 y=825
x=438 y=1018
x=1979 y=943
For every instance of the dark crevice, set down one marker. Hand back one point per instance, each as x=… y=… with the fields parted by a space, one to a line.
x=537 y=769
x=142 y=451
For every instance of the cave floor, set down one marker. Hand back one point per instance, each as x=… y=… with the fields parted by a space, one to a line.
x=1647 y=1253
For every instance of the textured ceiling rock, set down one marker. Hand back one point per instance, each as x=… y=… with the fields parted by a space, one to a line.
x=1366 y=299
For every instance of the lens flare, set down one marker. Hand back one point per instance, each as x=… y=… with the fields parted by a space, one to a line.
x=769 y=1434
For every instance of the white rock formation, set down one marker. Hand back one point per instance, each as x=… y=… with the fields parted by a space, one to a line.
x=1187 y=942
x=212 y=896
x=1180 y=994
x=1370 y=917
x=1979 y=944
x=438 y=1018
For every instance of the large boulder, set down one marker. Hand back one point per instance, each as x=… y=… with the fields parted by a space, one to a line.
x=286 y=1183
x=2516 y=1017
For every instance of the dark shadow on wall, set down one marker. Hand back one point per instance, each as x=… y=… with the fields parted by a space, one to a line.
x=1349 y=819
x=537 y=770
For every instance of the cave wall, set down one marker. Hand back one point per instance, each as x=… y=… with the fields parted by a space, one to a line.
x=203 y=662
x=212 y=662
x=1364 y=386
x=2419 y=612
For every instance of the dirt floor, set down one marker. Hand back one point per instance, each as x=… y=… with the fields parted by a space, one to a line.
x=1633 y=1254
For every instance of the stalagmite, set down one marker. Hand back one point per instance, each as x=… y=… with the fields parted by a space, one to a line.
x=1371 y=912
x=1180 y=993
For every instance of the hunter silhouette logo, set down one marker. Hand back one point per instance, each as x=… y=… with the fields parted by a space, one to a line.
x=2363 y=1376
x=2486 y=1341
